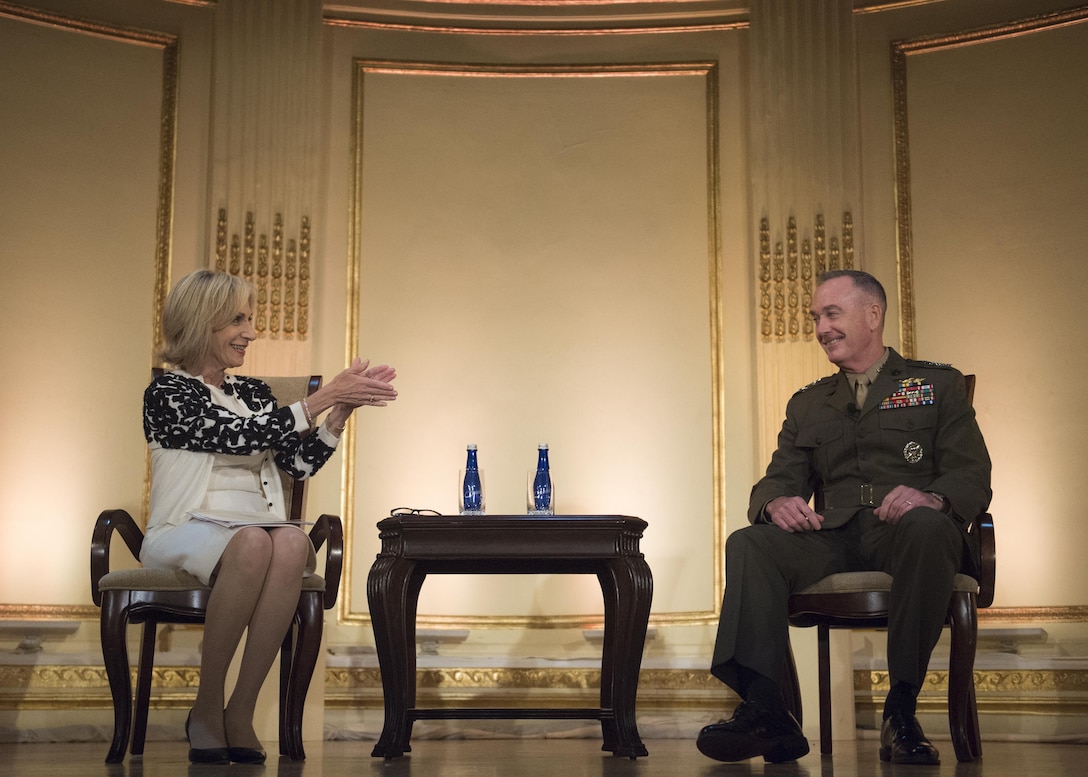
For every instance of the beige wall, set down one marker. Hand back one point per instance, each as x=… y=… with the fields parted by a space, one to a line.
x=995 y=204
x=611 y=179
x=996 y=183
x=80 y=198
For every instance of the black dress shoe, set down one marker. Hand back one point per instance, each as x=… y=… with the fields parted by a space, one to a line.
x=902 y=742
x=247 y=755
x=754 y=730
x=205 y=755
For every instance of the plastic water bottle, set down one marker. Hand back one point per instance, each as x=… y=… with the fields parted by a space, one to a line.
x=472 y=492
x=542 y=482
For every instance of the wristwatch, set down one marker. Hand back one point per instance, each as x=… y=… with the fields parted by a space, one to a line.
x=946 y=506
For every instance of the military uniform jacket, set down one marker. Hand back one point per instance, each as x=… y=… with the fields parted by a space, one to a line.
x=917 y=428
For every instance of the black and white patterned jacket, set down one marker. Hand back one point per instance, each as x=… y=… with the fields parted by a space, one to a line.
x=179 y=414
x=185 y=430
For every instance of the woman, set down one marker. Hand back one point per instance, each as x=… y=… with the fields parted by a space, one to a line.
x=215 y=441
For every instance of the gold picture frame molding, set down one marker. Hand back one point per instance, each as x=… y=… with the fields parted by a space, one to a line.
x=901 y=50
x=709 y=72
x=168 y=45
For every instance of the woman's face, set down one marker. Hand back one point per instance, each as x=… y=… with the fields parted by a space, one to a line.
x=228 y=345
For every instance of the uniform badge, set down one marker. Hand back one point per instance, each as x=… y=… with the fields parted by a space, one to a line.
x=912 y=452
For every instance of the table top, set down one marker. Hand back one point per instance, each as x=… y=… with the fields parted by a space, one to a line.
x=510 y=536
x=414 y=520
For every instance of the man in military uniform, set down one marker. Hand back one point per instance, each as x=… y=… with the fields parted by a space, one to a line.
x=896 y=470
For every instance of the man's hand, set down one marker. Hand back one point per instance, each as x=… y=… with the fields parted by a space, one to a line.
x=792 y=514
x=901 y=500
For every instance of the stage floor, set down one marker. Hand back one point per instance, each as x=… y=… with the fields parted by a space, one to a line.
x=557 y=757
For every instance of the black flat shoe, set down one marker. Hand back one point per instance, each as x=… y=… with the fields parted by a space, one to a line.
x=902 y=742
x=205 y=755
x=247 y=755
x=754 y=730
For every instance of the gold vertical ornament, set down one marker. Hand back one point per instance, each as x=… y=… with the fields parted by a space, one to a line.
x=265 y=137
x=303 y=326
x=766 y=328
x=281 y=277
x=787 y=277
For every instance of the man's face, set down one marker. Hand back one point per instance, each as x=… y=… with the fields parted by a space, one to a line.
x=848 y=324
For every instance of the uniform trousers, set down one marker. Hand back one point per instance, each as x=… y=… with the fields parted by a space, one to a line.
x=764 y=565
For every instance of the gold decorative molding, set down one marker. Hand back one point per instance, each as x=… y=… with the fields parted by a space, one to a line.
x=787 y=274
x=900 y=51
x=279 y=271
x=564 y=678
x=1000 y=691
x=57 y=686
x=543 y=18
x=658 y=688
x=1004 y=681
x=49 y=612
x=1066 y=614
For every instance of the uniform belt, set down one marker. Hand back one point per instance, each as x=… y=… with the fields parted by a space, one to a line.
x=855 y=494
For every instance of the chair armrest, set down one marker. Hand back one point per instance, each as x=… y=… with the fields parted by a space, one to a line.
x=988 y=561
x=108 y=522
x=329 y=531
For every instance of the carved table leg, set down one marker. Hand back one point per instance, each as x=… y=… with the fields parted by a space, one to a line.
x=627 y=587
x=392 y=590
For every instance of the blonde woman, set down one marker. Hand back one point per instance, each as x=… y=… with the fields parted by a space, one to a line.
x=216 y=440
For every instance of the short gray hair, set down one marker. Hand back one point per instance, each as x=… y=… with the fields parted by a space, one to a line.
x=862 y=280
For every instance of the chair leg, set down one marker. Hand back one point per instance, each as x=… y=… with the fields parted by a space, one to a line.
x=311 y=623
x=790 y=685
x=823 y=644
x=113 y=626
x=962 y=706
x=143 y=686
x=287 y=653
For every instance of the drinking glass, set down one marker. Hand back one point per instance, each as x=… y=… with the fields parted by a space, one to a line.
x=470 y=499
x=539 y=501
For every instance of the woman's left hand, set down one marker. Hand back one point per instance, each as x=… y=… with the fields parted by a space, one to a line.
x=337 y=418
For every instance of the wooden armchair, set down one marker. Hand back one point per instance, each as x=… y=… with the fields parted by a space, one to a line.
x=860 y=600
x=154 y=596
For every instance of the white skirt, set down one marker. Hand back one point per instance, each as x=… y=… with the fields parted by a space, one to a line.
x=196 y=547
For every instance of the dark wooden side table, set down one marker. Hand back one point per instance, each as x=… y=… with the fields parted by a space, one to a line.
x=414 y=546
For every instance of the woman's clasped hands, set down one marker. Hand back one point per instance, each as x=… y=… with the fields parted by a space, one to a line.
x=366 y=385
x=358 y=385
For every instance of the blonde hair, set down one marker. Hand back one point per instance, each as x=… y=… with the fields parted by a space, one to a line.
x=202 y=303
